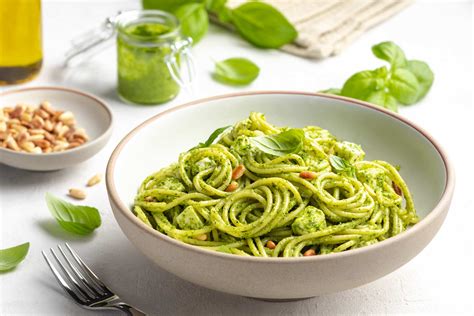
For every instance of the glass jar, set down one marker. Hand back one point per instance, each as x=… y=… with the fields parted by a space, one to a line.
x=150 y=50
x=20 y=40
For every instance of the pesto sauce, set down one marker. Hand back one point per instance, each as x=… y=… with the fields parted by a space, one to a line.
x=143 y=76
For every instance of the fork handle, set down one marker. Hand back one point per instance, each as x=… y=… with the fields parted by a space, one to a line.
x=128 y=310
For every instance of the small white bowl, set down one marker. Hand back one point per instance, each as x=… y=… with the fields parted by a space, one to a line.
x=383 y=134
x=91 y=113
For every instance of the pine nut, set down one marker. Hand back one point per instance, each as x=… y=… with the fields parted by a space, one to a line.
x=94 y=180
x=78 y=194
x=309 y=175
x=202 y=237
x=232 y=187
x=270 y=244
x=238 y=172
x=396 y=188
x=39 y=129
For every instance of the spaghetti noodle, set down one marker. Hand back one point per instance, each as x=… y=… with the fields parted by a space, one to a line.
x=245 y=195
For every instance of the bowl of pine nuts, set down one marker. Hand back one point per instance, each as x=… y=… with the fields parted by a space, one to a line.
x=51 y=128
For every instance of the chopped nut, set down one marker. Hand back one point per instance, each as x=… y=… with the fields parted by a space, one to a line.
x=94 y=180
x=396 y=188
x=238 y=172
x=308 y=175
x=270 y=244
x=77 y=194
x=202 y=237
x=232 y=187
x=309 y=252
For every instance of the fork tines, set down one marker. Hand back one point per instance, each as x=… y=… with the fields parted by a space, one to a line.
x=76 y=278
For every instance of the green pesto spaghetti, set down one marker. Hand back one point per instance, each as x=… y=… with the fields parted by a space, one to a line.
x=271 y=191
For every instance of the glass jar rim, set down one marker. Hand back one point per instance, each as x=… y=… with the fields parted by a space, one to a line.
x=127 y=18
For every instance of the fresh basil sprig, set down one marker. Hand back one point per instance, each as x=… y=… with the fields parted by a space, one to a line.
x=405 y=82
x=213 y=137
x=77 y=219
x=287 y=142
x=236 y=71
x=262 y=25
x=194 y=20
x=341 y=165
x=259 y=23
x=11 y=257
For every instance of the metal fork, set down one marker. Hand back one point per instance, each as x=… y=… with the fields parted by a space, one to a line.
x=84 y=286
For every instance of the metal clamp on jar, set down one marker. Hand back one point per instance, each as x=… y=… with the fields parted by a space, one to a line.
x=150 y=52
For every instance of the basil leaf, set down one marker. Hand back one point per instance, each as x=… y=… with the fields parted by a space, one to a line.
x=340 y=165
x=81 y=220
x=334 y=91
x=213 y=137
x=383 y=99
x=423 y=74
x=11 y=257
x=164 y=5
x=362 y=84
x=287 y=142
x=390 y=52
x=404 y=86
x=236 y=71
x=263 y=25
x=194 y=20
x=215 y=5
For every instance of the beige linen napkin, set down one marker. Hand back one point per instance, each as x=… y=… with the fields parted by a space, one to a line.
x=326 y=27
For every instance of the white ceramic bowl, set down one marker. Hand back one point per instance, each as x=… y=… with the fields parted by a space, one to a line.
x=383 y=135
x=91 y=113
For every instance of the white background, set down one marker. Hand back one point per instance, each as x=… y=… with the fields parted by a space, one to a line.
x=438 y=281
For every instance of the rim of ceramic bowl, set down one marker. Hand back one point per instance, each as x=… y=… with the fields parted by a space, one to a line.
x=435 y=212
x=68 y=90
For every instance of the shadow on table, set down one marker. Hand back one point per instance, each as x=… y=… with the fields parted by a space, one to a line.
x=139 y=282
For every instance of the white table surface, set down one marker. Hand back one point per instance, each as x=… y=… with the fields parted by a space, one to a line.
x=437 y=281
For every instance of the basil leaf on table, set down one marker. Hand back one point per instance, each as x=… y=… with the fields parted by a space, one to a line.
x=404 y=86
x=362 y=84
x=11 y=257
x=287 y=142
x=391 y=52
x=194 y=20
x=423 y=74
x=340 y=165
x=383 y=98
x=262 y=25
x=406 y=82
x=77 y=219
x=236 y=71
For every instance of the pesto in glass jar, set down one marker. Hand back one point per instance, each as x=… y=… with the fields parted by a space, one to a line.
x=149 y=47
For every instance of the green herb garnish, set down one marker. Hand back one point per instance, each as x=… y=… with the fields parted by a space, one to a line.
x=77 y=219
x=259 y=23
x=194 y=20
x=213 y=137
x=287 y=142
x=405 y=82
x=341 y=165
x=236 y=71
x=11 y=257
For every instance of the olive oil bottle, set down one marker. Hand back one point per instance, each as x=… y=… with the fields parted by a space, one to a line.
x=20 y=40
